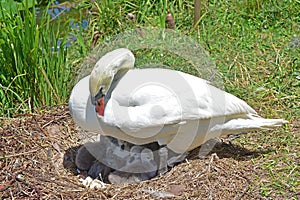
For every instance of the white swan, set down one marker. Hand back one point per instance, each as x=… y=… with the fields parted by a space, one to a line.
x=172 y=108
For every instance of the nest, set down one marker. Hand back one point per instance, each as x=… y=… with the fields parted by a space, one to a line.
x=37 y=162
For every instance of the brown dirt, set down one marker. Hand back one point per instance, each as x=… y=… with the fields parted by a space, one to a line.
x=37 y=162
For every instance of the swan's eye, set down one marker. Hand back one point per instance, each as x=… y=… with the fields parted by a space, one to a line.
x=99 y=95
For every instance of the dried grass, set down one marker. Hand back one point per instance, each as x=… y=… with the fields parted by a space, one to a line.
x=38 y=163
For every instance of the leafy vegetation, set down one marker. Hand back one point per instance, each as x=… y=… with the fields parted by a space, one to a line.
x=13 y=6
x=34 y=70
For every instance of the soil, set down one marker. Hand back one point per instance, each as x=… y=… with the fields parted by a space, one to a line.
x=37 y=162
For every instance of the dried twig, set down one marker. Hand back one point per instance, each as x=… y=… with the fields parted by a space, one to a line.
x=196 y=11
x=9 y=184
x=21 y=154
x=21 y=179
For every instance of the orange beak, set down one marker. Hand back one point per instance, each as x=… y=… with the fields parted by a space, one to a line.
x=100 y=106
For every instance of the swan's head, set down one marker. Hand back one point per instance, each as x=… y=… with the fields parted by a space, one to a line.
x=111 y=66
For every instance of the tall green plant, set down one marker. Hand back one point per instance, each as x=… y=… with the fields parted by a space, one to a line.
x=113 y=14
x=34 y=70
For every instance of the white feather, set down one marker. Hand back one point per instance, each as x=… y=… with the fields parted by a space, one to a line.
x=173 y=108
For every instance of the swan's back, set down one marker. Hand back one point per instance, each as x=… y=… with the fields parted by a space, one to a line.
x=155 y=97
x=170 y=107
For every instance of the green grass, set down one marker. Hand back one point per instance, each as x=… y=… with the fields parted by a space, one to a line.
x=34 y=69
x=252 y=42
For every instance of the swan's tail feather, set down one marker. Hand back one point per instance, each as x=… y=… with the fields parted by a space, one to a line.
x=267 y=123
x=252 y=122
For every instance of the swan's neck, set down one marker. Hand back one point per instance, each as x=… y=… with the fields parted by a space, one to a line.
x=117 y=77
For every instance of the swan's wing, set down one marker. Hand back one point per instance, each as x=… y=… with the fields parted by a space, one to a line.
x=152 y=98
x=141 y=112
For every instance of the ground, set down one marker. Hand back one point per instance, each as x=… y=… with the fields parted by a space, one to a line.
x=37 y=162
